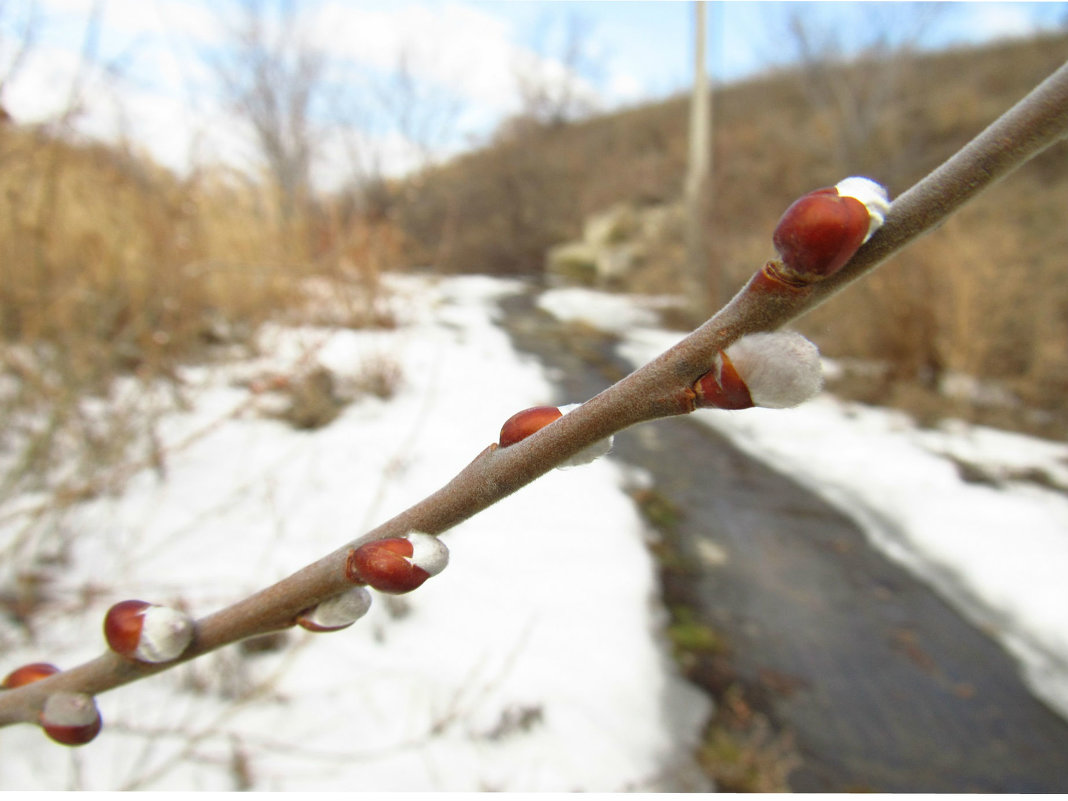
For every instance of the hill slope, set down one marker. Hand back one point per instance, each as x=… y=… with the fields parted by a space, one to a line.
x=949 y=305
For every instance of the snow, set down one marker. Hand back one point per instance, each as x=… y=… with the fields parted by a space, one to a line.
x=997 y=552
x=535 y=661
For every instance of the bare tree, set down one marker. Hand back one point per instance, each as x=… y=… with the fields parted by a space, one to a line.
x=423 y=113
x=272 y=77
x=13 y=51
x=859 y=99
x=411 y=111
x=548 y=83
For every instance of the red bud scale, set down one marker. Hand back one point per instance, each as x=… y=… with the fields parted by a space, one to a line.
x=27 y=674
x=821 y=230
x=776 y=370
x=722 y=387
x=399 y=564
x=522 y=424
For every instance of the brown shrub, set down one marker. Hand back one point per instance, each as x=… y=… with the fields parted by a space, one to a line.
x=110 y=264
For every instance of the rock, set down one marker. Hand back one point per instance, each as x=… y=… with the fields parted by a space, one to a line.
x=573 y=263
x=623 y=246
x=619 y=223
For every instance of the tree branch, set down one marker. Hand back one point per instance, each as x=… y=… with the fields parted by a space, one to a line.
x=661 y=388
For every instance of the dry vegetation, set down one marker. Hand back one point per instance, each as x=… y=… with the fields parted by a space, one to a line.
x=986 y=297
x=112 y=266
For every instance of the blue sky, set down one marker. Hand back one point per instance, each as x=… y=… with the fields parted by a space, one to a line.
x=653 y=39
x=145 y=77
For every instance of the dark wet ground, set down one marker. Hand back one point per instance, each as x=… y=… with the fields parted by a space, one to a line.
x=876 y=682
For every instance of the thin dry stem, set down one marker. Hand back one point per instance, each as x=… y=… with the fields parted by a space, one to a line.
x=659 y=389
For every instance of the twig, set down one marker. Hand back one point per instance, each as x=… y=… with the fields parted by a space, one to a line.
x=661 y=388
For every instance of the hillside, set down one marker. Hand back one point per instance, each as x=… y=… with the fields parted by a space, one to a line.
x=995 y=309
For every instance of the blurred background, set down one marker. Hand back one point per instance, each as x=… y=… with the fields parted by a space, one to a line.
x=176 y=173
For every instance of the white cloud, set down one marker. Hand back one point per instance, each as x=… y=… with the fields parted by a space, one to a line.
x=41 y=90
x=139 y=17
x=624 y=87
x=998 y=20
x=453 y=45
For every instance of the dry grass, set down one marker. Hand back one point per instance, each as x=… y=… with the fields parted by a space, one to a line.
x=112 y=266
x=743 y=752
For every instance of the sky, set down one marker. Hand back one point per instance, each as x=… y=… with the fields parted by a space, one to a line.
x=141 y=68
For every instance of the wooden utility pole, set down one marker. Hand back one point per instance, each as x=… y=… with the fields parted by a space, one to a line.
x=699 y=166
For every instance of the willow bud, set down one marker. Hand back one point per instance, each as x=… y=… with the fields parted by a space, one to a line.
x=70 y=718
x=397 y=565
x=775 y=370
x=147 y=632
x=338 y=612
x=522 y=424
x=821 y=230
x=27 y=674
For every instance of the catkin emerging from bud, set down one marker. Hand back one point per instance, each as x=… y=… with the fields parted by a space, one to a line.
x=338 y=612
x=775 y=370
x=398 y=564
x=70 y=718
x=147 y=632
x=781 y=368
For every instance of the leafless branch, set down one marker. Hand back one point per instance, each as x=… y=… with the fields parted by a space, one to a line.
x=20 y=48
x=272 y=82
x=659 y=389
x=548 y=84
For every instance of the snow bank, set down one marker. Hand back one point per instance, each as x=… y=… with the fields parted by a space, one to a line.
x=999 y=553
x=515 y=669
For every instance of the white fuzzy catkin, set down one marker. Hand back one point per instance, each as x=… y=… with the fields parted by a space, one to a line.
x=588 y=454
x=165 y=634
x=871 y=194
x=428 y=552
x=780 y=368
x=341 y=610
x=69 y=709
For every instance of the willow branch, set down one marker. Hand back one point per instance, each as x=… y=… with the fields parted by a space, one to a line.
x=661 y=388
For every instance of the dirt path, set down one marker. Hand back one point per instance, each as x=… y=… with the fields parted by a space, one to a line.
x=877 y=682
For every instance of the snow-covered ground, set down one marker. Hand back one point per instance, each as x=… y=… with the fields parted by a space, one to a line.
x=998 y=553
x=535 y=661
x=517 y=668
